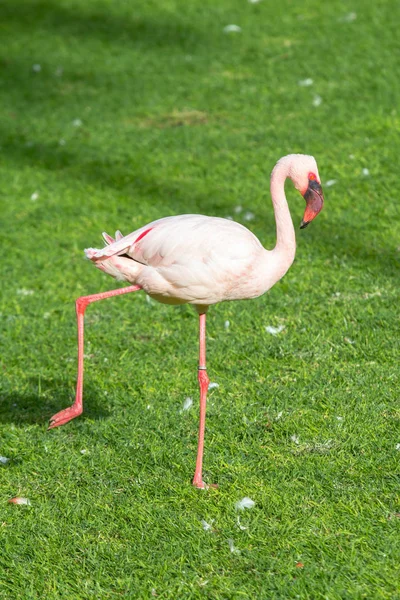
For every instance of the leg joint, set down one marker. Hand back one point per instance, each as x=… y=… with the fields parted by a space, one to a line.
x=203 y=378
x=82 y=303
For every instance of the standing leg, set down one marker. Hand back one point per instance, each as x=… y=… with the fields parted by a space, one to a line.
x=81 y=304
x=203 y=383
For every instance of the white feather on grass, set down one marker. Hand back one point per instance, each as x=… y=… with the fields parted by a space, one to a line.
x=245 y=502
x=206 y=526
x=232 y=547
x=274 y=330
x=213 y=385
x=187 y=403
x=19 y=500
x=232 y=29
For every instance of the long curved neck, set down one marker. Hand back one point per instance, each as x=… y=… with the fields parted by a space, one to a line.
x=285 y=236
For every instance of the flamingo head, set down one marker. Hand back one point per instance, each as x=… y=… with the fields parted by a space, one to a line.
x=303 y=171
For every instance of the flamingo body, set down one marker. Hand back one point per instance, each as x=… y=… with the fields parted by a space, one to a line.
x=192 y=259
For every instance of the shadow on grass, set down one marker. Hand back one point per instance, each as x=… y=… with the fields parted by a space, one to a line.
x=22 y=408
x=355 y=245
x=24 y=90
x=87 y=21
x=134 y=181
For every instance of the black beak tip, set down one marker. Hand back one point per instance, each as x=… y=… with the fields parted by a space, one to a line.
x=304 y=224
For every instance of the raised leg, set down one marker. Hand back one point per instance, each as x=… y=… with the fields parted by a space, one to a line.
x=203 y=383
x=81 y=304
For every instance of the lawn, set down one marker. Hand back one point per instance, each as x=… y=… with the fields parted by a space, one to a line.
x=115 y=113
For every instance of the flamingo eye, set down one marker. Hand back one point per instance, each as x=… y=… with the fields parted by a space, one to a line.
x=312 y=177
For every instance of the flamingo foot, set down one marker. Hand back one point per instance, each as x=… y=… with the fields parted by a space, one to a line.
x=200 y=485
x=64 y=416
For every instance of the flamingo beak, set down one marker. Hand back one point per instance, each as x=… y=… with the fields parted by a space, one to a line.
x=314 y=202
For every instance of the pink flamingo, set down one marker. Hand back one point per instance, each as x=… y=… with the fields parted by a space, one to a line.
x=201 y=261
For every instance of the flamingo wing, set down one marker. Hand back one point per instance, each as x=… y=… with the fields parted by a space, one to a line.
x=166 y=240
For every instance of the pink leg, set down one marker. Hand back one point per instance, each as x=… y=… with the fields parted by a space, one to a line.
x=81 y=304
x=203 y=383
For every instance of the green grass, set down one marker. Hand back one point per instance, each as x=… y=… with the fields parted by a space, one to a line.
x=178 y=116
